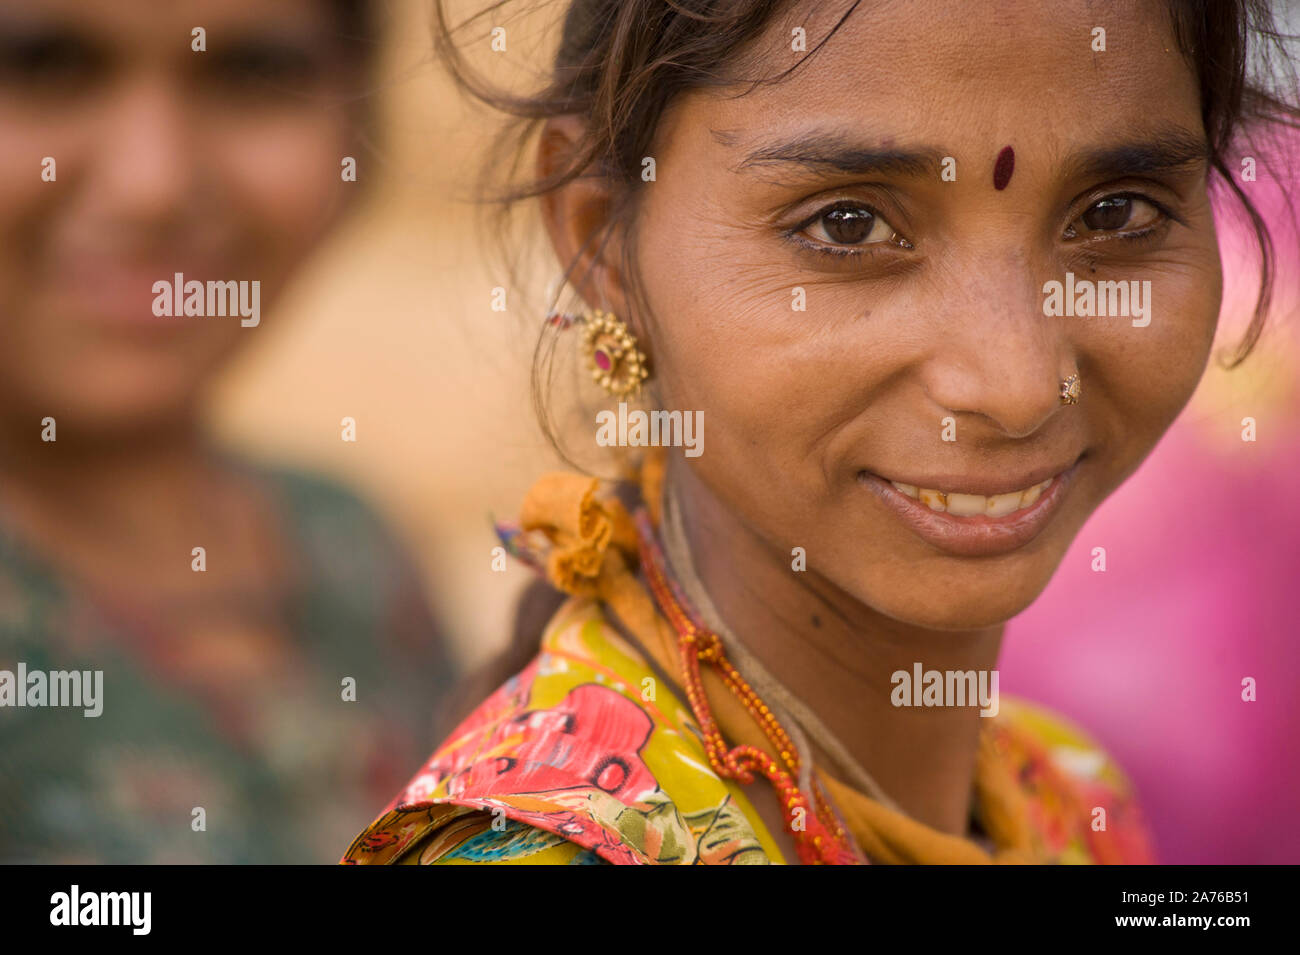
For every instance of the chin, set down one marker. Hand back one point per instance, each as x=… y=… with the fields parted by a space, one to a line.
x=955 y=615
x=966 y=598
x=115 y=409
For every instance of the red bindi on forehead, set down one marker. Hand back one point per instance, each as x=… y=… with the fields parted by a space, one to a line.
x=1004 y=167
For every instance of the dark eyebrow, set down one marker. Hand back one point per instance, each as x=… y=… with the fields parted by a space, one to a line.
x=1172 y=149
x=823 y=152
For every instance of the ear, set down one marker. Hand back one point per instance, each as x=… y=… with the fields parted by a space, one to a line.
x=577 y=218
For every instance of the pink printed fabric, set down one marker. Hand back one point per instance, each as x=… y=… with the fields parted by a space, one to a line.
x=569 y=761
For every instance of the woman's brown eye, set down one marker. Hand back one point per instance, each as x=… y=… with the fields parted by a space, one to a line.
x=1109 y=214
x=850 y=225
x=1119 y=212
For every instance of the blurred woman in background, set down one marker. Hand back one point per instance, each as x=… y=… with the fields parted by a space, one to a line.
x=244 y=618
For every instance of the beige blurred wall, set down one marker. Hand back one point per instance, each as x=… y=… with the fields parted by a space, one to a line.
x=392 y=325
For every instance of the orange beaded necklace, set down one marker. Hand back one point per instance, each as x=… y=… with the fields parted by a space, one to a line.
x=820 y=837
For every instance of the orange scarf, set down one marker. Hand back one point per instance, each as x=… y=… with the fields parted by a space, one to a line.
x=594 y=553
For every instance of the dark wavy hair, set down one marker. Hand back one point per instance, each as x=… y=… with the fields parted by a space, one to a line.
x=620 y=63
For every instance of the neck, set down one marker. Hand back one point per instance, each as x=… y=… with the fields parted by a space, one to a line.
x=838 y=657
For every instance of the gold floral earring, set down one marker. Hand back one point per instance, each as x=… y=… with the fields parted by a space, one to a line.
x=613 y=358
x=608 y=347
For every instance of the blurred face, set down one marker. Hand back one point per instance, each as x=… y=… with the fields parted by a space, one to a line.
x=846 y=272
x=223 y=165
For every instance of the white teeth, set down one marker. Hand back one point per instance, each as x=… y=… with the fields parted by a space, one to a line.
x=1030 y=495
x=1000 y=504
x=934 y=500
x=970 y=505
x=966 y=505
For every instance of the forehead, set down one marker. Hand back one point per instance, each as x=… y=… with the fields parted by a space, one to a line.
x=971 y=75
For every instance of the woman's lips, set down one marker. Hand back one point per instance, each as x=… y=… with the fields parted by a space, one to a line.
x=999 y=530
x=117 y=293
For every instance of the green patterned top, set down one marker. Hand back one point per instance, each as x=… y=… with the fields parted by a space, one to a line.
x=276 y=768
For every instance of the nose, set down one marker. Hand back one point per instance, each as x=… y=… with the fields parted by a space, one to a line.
x=142 y=170
x=1000 y=358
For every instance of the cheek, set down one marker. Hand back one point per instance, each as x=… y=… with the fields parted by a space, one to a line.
x=1149 y=373
x=781 y=361
x=283 y=180
x=20 y=160
x=725 y=336
x=739 y=353
x=25 y=200
x=35 y=355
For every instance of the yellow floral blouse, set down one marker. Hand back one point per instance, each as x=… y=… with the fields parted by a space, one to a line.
x=585 y=758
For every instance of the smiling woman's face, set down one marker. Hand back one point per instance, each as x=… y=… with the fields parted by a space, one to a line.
x=221 y=164
x=924 y=296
